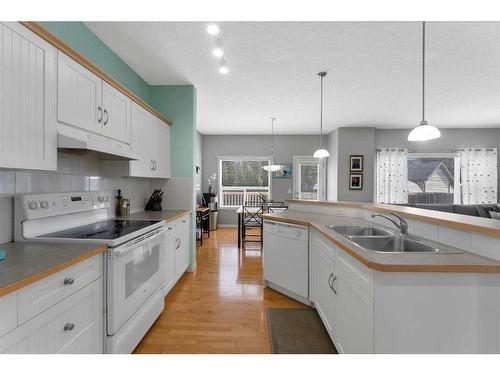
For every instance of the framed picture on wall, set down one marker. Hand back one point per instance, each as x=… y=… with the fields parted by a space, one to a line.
x=356 y=181
x=356 y=163
x=285 y=172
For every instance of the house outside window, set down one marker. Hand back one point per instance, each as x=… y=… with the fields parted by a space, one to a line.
x=243 y=181
x=433 y=178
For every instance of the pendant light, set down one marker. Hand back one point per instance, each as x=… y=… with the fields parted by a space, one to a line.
x=321 y=152
x=273 y=167
x=424 y=131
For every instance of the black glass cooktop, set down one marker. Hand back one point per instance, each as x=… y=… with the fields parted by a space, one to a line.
x=103 y=230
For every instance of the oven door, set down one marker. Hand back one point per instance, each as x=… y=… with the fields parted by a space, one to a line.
x=135 y=272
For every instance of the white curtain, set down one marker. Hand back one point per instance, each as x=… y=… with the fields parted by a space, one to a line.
x=392 y=176
x=478 y=175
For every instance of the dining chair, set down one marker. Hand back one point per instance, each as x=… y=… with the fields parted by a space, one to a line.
x=252 y=218
x=277 y=209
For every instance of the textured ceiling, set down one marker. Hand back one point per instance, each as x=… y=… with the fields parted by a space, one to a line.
x=374 y=72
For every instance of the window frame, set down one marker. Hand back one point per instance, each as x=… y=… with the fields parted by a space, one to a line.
x=220 y=159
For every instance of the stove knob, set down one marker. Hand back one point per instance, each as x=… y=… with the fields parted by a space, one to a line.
x=44 y=204
x=33 y=205
x=101 y=198
x=106 y=198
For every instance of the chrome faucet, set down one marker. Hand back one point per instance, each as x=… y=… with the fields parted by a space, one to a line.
x=402 y=225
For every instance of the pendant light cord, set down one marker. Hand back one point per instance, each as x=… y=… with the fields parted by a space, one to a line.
x=272 y=137
x=423 y=72
x=321 y=76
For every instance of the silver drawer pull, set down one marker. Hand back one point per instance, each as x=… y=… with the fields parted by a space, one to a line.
x=69 y=326
x=69 y=281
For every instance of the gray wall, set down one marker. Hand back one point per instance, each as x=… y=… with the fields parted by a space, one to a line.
x=450 y=138
x=344 y=142
x=286 y=147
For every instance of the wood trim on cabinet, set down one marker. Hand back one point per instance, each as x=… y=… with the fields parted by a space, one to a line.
x=42 y=275
x=45 y=34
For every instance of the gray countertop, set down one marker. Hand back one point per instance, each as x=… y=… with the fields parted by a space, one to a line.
x=27 y=262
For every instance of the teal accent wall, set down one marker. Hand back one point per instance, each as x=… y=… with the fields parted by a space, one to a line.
x=179 y=104
x=81 y=38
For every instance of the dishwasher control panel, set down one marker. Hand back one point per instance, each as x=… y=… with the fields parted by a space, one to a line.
x=297 y=232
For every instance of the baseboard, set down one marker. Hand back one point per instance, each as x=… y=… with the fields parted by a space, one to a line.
x=227 y=225
x=192 y=268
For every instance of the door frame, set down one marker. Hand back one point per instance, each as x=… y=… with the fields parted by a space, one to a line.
x=322 y=173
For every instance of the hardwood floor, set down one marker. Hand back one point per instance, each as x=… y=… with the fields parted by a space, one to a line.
x=219 y=308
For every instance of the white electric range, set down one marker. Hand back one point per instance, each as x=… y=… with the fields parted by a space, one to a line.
x=134 y=259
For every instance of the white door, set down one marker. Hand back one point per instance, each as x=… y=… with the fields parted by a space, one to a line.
x=353 y=315
x=116 y=114
x=27 y=100
x=141 y=142
x=310 y=178
x=322 y=274
x=79 y=95
x=161 y=149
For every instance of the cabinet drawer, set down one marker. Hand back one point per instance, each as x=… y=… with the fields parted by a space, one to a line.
x=8 y=313
x=355 y=272
x=74 y=325
x=40 y=296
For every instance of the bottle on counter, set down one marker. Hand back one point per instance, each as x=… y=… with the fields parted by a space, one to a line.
x=119 y=203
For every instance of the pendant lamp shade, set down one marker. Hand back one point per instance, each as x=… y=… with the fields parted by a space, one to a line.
x=321 y=152
x=424 y=131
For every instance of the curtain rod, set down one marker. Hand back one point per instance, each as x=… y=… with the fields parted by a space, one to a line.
x=411 y=151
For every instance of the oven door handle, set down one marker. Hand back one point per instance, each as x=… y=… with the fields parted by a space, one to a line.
x=127 y=248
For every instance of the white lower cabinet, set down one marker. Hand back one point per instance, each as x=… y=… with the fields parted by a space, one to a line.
x=63 y=313
x=182 y=247
x=74 y=325
x=340 y=288
x=170 y=239
x=321 y=276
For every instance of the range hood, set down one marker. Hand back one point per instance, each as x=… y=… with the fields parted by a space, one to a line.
x=79 y=144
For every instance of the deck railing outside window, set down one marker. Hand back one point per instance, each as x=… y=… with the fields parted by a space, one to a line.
x=243 y=196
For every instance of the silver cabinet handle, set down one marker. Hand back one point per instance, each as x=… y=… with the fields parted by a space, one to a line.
x=330 y=281
x=68 y=281
x=152 y=165
x=69 y=326
x=100 y=112
x=170 y=228
x=333 y=281
x=155 y=165
x=107 y=117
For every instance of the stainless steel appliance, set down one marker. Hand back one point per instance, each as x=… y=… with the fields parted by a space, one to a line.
x=134 y=260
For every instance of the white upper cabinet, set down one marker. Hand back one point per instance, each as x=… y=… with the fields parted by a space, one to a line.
x=87 y=102
x=151 y=142
x=27 y=100
x=141 y=142
x=79 y=95
x=161 y=149
x=116 y=114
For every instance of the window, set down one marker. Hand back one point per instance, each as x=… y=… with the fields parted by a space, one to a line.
x=433 y=178
x=243 y=181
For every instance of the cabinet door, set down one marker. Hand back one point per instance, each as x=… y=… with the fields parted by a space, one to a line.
x=116 y=114
x=79 y=95
x=161 y=149
x=27 y=100
x=353 y=314
x=141 y=142
x=74 y=325
x=182 y=251
x=322 y=273
x=170 y=249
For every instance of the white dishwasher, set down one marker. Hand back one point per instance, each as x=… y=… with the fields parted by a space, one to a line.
x=286 y=259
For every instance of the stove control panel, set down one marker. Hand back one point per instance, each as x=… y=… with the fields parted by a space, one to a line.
x=52 y=204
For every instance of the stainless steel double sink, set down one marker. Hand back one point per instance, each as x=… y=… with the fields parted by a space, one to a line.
x=383 y=241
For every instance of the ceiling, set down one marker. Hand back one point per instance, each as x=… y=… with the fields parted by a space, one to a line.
x=374 y=72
